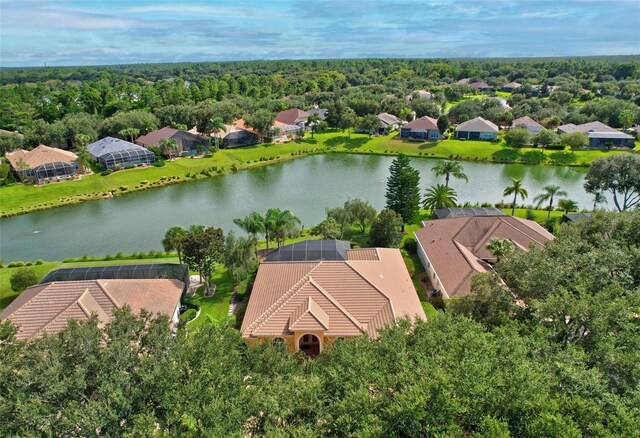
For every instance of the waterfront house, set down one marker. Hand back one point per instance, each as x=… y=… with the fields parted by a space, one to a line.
x=389 y=122
x=600 y=135
x=187 y=142
x=477 y=129
x=527 y=122
x=47 y=308
x=114 y=153
x=454 y=249
x=309 y=296
x=424 y=128
x=293 y=116
x=42 y=163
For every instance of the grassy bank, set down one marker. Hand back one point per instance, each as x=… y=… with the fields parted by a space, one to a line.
x=21 y=198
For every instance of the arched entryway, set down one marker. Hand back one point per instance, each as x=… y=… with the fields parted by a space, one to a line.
x=309 y=344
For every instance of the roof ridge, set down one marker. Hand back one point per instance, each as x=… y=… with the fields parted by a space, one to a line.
x=59 y=313
x=370 y=283
x=311 y=312
x=106 y=292
x=337 y=304
x=482 y=239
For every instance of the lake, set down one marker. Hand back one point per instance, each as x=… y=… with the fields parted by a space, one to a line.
x=307 y=186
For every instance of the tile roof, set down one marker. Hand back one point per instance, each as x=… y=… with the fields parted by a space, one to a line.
x=39 y=156
x=291 y=116
x=512 y=85
x=456 y=247
x=526 y=121
x=343 y=298
x=424 y=123
x=477 y=125
x=388 y=119
x=594 y=130
x=109 y=145
x=46 y=308
x=480 y=84
x=155 y=137
x=444 y=213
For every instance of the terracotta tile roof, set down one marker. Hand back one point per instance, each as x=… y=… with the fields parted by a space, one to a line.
x=477 y=124
x=291 y=116
x=456 y=247
x=345 y=298
x=363 y=254
x=46 y=308
x=39 y=156
x=424 y=123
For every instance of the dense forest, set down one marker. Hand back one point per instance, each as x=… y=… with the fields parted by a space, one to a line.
x=554 y=351
x=55 y=105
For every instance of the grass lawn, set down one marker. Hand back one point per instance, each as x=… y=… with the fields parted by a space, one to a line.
x=540 y=215
x=7 y=295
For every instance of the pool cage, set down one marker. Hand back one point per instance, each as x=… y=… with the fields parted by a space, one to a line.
x=126 y=158
x=53 y=170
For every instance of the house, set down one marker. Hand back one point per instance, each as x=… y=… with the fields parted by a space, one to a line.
x=424 y=128
x=424 y=94
x=238 y=134
x=320 y=112
x=600 y=135
x=293 y=116
x=449 y=212
x=47 y=308
x=482 y=86
x=477 y=129
x=527 y=122
x=281 y=132
x=463 y=81
x=388 y=122
x=114 y=153
x=510 y=87
x=187 y=142
x=308 y=304
x=42 y=163
x=453 y=250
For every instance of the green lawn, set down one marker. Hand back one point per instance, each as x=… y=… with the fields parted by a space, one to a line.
x=22 y=198
x=7 y=295
x=216 y=308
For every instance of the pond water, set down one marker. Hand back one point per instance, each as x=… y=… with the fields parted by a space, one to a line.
x=307 y=186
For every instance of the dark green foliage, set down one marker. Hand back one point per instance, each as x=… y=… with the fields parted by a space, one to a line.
x=202 y=247
x=517 y=137
x=619 y=175
x=327 y=229
x=22 y=278
x=403 y=192
x=386 y=230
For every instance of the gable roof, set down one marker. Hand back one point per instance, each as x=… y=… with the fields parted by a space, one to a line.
x=424 y=123
x=512 y=85
x=343 y=298
x=110 y=145
x=594 y=130
x=456 y=247
x=526 y=121
x=39 y=156
x=291 y=116
x=388 y=119
x=477 y=124
x=154 y=138
x=480 y=84
x=46 y=308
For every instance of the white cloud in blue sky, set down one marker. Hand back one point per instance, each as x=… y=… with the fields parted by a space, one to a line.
x=75 y=32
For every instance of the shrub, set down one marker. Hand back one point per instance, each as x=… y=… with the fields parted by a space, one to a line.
x=22 y=279
x=411 y=246
x=19 y=264
x=29 y=264
x=108 y=257
x=1 y=265
x=106 y=172
x=530 y=214
x=39 y=262
x=124 y=188
x=191 y=302
x=159 y=163
x=187 y=316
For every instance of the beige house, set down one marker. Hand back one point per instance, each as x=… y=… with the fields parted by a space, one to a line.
x=310 y=304
x=46 y=308
x=43 y=162
x=453 y=250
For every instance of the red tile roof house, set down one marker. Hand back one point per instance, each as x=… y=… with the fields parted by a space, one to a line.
x=424 y=128
x=482 y=86
x=293 y=116
x=309 y=304
x=600 y=135
x=527 y=122
x=43 y=163
x=187 y=142
x=477 y=129
x=47 y=308
x=453 y=250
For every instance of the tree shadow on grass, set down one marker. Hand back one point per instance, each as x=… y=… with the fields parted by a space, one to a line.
x=344 y=141
x=506 y=155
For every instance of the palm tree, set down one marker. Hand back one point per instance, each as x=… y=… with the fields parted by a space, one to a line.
x=253 y=224
x=567 y=205
x=550 y=192
x=129 y=133
x=499 y=247
x=516 y=190
x=279 y=224
x=168 y=146
x=598 y=198
x=450 y=168
x=215 y=126
x=312 y=122
x=439 y=196
x=173 y=240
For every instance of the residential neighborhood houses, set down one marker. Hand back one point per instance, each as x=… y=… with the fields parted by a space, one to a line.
x=43 y=163
x=186 y=143
x=422 y=129
x=600 y=135
x=477 y=129
x=114 y=153
x=527 y=122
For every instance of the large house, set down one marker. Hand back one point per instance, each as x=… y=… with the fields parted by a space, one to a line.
x=527 y=122
x=424 y=128
x=600 y=135
x=322 y=291
x=293 y=116
x=187 y=142
x=114 y=153
x=47 y=307
x=42 y=162
x=389 y=122
x=477 y=129
x=424 y=94
x=453 y=250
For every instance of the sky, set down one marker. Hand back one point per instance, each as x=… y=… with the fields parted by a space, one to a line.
x=95 y=32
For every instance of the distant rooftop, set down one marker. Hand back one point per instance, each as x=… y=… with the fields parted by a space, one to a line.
x=445 y=213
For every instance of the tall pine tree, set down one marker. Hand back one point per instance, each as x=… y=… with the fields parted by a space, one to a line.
x=403 y=192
